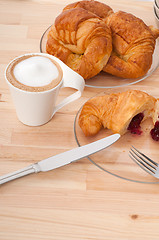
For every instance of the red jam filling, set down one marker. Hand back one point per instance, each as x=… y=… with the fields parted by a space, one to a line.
x=134 y=125
x=155 y=132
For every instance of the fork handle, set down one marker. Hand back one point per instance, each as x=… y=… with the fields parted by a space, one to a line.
x=20 y=173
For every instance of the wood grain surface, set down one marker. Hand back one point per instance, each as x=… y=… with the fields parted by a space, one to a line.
x=78 y=201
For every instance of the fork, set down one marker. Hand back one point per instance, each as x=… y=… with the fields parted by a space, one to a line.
x=144 y=162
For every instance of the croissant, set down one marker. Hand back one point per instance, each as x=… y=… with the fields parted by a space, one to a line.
x=119 y=112
x=133 y=45
x=100 y=9
x=81 y=40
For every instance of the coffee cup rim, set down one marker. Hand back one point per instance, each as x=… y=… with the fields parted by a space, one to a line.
x=33 y=92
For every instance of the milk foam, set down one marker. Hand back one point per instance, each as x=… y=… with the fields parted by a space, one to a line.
x=36 y=71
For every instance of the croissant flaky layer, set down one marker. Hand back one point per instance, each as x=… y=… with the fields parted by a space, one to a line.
x=89 y=37
x=133 y=45
x=81 y=40
x=100 y=9
x=116 y=111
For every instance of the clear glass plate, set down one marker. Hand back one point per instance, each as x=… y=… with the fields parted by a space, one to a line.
x=105 y=80
x=115 y=159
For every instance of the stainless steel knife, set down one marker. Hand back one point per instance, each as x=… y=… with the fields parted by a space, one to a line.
x=62 y=159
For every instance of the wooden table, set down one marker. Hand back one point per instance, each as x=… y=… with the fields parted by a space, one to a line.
x=78 y=201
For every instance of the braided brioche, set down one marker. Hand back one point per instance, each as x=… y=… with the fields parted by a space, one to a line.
x=117 y=111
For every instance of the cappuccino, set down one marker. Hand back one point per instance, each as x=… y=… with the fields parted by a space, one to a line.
x=34 y=73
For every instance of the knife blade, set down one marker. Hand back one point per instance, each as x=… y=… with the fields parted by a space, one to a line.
x=62 y=159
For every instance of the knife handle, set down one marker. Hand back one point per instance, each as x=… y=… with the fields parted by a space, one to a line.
x=20 y=173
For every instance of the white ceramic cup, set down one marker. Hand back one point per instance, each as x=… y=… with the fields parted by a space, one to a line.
x=37 y=108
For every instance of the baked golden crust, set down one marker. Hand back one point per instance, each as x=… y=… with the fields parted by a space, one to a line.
x=115 y=111
x=81 y=40
x=100 y=9
x=83 y=35
x=133 y=45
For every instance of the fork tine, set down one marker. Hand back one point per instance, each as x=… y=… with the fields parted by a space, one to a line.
x=145 y=156
x=141 y=164
x=145 y=161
